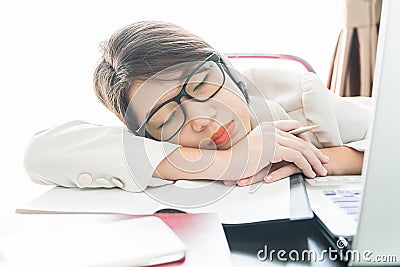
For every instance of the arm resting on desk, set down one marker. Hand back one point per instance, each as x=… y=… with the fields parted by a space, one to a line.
x=79 y=154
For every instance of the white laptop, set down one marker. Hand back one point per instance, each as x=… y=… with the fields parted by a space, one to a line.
x=361 y=214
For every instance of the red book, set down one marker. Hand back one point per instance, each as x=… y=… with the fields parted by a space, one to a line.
x=204 y=237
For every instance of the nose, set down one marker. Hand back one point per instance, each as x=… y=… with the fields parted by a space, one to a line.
x=199 y=114
x=199 y=124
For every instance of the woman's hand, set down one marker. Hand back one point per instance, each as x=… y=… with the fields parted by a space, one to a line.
x=344 y=161
x=265 y=144
x=294 y=154
x=272 y=144
x=278 y=171
x=315 y=157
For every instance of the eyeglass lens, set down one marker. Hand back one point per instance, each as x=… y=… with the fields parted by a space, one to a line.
x=169 y=119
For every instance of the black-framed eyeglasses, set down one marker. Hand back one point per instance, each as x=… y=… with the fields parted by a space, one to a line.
x=167 y=119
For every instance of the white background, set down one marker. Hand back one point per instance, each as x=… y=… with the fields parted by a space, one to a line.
x=49 y=50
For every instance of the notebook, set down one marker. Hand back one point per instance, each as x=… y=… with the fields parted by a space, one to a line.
x=282 y=200
x=362 y=216
x=142 y=241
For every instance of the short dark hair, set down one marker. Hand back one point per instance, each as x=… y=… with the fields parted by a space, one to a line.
x=138 y=51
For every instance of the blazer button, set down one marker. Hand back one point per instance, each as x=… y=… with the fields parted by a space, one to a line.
x=84 y=180
x=117 y=182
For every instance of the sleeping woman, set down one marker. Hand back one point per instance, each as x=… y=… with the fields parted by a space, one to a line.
x=189 y=115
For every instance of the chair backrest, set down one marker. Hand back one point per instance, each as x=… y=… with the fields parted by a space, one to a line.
x=243 y=61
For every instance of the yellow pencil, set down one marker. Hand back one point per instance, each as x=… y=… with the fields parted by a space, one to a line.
x=303 y=129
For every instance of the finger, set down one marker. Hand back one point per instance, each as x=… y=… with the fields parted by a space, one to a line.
x=321 y=156
x=304 y=136
x=281 y=173
x=308 y=147
x=317 y=152
x=309 y=155
x=297 y=158
x=245 y=181
x=278 y=165
x=229 y=182
x=287 y=125
x=251 y=180
x=258 y=177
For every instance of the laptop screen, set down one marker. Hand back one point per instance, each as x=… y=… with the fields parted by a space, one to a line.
x=378 y=230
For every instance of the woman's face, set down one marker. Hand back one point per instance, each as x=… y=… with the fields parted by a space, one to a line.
x=216 y=122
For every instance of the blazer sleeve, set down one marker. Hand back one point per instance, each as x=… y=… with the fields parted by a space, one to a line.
x=354 y=115
x=304 y=97
x=346 y=118
x=79 y=154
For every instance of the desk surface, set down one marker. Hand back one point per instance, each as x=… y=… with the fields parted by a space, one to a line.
x=202 y=235
x=292 y=237
x=245 y=242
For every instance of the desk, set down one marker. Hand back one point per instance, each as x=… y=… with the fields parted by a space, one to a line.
x=202 y=234
x=246 y=241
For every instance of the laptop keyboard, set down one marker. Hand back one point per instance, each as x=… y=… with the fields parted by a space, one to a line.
x=334 y=180
x=346 y=199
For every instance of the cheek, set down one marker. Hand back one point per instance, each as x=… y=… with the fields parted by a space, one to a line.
x=237 y=106
x=231 y=95
x=185 y=138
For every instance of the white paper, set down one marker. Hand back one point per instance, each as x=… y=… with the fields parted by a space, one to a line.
x=239 y=205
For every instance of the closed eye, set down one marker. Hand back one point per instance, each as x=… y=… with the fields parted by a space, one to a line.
x=202 y=84
x=168 y=120
x=199 y=86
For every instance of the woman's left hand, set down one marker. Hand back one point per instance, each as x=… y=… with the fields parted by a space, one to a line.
x=281 y=169
x=278 y=171
x=344 y=161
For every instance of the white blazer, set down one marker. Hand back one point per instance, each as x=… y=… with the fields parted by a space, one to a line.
x=84 y=155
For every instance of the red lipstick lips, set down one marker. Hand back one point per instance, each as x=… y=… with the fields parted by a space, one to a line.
x=223 y=133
